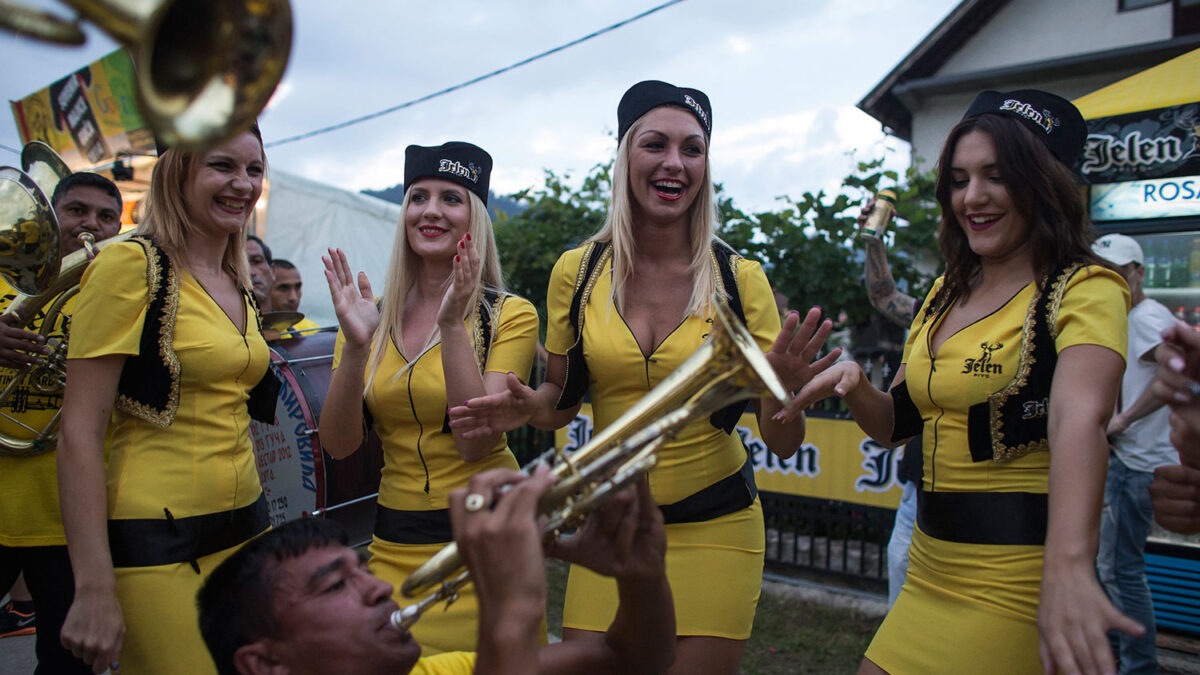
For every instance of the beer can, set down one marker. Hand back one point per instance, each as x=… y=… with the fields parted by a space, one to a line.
x=880 y=215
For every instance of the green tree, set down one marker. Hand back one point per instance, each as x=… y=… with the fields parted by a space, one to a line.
x=556 y=219
x=809 y=247
x=811 y=250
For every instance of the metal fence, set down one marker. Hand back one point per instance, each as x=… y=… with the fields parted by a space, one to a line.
x=828 y=537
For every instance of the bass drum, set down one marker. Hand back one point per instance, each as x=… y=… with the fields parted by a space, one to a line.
x=298 y=478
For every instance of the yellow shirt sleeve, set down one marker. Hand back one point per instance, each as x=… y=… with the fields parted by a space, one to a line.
x=513 y=348
x=1094 y=311
x=758 y=302
x=112 y=302
x=337 y=348
x=919 y=318
x=559 y=334
x=446 y=663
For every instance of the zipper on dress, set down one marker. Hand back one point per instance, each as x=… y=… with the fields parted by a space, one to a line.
x=420 y=428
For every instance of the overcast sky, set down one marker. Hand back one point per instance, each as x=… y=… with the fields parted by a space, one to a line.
x=783 y=77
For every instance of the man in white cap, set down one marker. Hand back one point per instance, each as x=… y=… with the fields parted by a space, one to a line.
x=1139 y=435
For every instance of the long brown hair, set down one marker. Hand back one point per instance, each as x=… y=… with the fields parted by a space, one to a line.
x=1044 y=192
x=166 y=218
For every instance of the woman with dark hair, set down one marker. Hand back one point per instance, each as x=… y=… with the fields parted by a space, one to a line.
x=160 y=371
x=444 y=331
x=1010 y=374
x=653 y=275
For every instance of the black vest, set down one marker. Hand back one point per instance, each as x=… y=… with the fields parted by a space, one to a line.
x=1012 y=422
x=149 y=384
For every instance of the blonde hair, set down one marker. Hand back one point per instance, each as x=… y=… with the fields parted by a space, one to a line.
x=618 y=228
x=165 y=216
x=402 y=275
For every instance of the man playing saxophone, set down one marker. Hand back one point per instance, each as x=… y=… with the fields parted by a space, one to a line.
x=31 y=530
x=297 y=600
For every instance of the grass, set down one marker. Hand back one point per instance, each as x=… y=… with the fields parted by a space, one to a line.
x=792 y=635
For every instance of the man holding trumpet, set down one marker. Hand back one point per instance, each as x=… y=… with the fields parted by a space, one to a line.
x=297 y=600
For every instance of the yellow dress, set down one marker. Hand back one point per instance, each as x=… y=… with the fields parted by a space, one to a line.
x=203 y=463
x=29 y=510
x=715 y=566
x=446 y=663
x=421 y=464
x=973 y=607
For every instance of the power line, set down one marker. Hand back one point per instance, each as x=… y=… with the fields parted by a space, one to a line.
x=12 y=150
x=481 y=78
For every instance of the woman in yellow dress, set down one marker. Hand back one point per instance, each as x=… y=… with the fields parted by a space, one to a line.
x=444 y=331
x=162 y=365
x=659 y=269
x=1010 y=374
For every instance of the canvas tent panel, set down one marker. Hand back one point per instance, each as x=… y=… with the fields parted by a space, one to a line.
x=305 y=217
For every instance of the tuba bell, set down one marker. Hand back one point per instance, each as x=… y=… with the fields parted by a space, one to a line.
x=205 y=68
x=729 y=367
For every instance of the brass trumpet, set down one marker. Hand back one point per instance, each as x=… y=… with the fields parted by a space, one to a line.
x=205 y=69
x=728 y=367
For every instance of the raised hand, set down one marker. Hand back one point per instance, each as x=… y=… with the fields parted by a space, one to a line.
x=794 y=350
x=837 y=380
x=352 y=299
x=464 y=278
x=494 y=413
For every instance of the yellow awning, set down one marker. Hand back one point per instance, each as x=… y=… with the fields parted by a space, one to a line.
x=1174 y=82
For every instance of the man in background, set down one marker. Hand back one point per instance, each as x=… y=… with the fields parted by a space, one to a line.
x=287 y=291
x=1140 y=437
x=261 y=276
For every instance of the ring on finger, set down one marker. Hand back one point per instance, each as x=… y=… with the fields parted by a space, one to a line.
x=1193 y=388
x=474 y=502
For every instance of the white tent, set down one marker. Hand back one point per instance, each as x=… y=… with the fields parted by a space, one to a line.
x=305 y=217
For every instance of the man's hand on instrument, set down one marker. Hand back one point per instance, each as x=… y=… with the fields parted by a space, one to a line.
x=494 y=413
x=624 y=538
x=795 y=348
x=352 y=299
x=18 y=347
x=500 y=538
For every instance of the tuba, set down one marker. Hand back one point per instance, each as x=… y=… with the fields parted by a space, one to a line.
x=729 y=367
x=205 y=68
x=30 y=263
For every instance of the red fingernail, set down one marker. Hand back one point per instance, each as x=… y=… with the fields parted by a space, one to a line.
x=455 y=258
x=468 y=236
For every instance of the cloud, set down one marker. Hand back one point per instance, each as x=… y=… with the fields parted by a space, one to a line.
x=783 y=79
